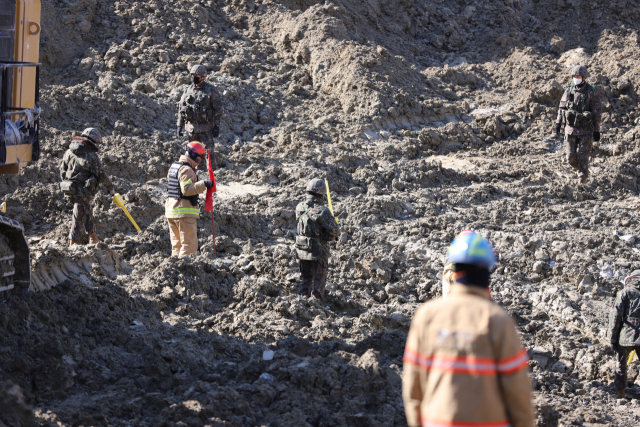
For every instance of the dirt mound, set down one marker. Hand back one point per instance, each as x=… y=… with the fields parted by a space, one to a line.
x=14 y=410
x=426 y=118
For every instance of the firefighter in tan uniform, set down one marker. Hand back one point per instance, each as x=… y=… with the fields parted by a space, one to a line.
x=181 y=208
x=464 y=364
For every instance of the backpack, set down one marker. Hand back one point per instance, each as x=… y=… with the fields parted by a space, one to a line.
x=308 y=231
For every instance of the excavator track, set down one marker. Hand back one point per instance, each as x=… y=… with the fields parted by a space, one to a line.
x=15 y=272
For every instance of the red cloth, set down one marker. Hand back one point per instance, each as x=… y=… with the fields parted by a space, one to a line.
x=209 y=201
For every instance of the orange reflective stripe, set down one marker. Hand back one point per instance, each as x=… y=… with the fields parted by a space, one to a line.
x=438 y=423
x=469 y=365
x=514 y=363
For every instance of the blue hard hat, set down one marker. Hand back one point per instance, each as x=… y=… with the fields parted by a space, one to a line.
x=470 y=248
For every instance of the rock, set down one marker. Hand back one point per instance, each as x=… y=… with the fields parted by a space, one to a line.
x=391 y=289
x=120 y=126
x=538 y=266
x=85 y=64
x=541 y=355
x=541 y=255
x=629 y=239
x=586 y=284
x=557 y=45
x=382 y=51
x=267 y=377
x=562 y=366
x=84 y=26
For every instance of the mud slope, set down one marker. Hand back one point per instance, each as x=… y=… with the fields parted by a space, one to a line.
x=426 y=117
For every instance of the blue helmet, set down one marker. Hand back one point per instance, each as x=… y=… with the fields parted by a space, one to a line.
x=470 y=248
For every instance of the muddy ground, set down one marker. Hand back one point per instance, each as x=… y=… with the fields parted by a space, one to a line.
x=427 y=117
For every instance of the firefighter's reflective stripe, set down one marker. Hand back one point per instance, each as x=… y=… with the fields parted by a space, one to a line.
x=460 y=365
x=514 y=363
x=467 y=364
x=182 y=211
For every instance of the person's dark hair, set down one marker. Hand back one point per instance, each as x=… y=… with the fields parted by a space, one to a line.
x=468 y=274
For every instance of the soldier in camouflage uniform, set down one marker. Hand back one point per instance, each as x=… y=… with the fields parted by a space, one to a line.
x=200 y=109
x=580 y=112
x=624 y=328
x=81 y=172
x=316 y=228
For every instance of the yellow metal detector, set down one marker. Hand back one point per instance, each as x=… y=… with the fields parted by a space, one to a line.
x=329 y=199
x=117 y=199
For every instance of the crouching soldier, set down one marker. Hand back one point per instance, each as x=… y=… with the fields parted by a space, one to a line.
x=316 y=228
x=624 y=328
x=181 y=208
x=81 y=172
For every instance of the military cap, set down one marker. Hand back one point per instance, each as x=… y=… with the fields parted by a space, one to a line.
x=93 y=134
x=199 y=70
x=317 y=186
x=580 y=70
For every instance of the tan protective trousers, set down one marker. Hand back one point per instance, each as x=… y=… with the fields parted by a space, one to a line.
x=184 y=236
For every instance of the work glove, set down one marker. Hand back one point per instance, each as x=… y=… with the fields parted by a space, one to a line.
x=215 y=131
x=596 y=136
x=179 y=131
x=556 y=129
x=208 y=183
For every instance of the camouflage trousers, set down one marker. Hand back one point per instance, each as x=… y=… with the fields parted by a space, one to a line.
x=82 y=220
x=620 y=377
x=314 y=277
x=578 y=148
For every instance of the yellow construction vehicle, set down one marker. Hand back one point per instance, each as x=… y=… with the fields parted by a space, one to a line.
x=19 y=125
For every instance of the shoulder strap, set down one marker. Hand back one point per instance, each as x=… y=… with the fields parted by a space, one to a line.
x=305 y=213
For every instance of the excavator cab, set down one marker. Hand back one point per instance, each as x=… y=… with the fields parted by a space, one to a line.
x=19 y=144
x=19 y=125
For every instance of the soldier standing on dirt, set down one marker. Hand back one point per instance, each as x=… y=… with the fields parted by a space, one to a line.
x=464 y=364
x=624 y=328
x=580 y=112
x=181 y=208
x=200 y=109
x=81 y=172
x=316 y=228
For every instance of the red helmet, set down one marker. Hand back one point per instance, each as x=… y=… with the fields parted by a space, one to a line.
x=197 y=148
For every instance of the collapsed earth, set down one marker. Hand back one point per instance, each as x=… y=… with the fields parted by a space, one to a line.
x=426 y=118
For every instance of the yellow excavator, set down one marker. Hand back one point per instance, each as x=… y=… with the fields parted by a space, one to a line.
x=19 y=125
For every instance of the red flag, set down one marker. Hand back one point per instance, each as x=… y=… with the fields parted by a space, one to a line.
x=208 y=206
x=209 y=201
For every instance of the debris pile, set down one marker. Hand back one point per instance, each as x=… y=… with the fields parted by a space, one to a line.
x=426 y=118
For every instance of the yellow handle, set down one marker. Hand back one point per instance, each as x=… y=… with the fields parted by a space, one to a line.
x=633 y=353
x=329 y=200
x=117 y=199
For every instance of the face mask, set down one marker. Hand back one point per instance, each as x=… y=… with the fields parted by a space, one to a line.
x=196 y=80
x=577 y=81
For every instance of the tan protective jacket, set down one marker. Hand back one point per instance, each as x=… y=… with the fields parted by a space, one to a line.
x=464 y=365
x=190 y=186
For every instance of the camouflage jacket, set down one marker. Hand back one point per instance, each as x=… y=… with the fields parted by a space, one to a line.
x=200 y=107
x=624 y=318
x=82 y=166
x=580 y=108
x=316 y=228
